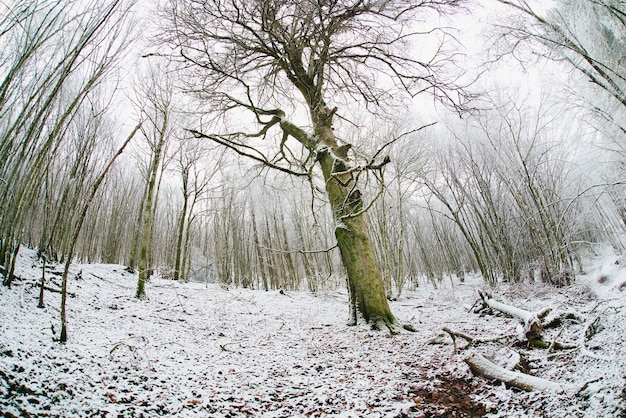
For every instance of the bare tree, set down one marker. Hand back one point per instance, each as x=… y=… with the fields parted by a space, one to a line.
x=590 y=35
x=55 y=55
x=268 y=58
x=195 y=182
x=78 y=226
x=155 y=102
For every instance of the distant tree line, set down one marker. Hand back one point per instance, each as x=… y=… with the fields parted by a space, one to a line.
x=520 y=189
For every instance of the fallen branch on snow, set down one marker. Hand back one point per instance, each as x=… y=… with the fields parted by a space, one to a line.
x=480 y=366
x=223 y=347
x=590 y=329
x=48 y=288
x=531 y=321
x=471 y=340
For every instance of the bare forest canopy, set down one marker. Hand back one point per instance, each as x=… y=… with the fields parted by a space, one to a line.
x=291 y=144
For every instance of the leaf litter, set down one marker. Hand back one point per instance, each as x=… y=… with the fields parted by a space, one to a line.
x=201 y=350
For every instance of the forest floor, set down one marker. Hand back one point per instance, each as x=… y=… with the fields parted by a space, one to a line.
x=201 y=350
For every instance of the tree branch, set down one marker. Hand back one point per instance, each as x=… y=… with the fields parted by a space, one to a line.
x=480 y=366
x=236 y=147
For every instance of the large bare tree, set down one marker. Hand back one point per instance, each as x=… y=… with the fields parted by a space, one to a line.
x=273 y=58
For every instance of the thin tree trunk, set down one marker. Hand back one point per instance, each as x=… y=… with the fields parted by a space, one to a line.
x=145 y=249
x=178 y=264
x=259 y=254
x=43 y=282
x=291 y=273
x=78 y=227
x=134 y=249
x=186 y=256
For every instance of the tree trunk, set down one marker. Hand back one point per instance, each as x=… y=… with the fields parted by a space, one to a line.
x=145 y=249
x=368 y=300
x=178 y=264
x=9 y=271
x=43 y=282
x=185 y=259
x=134 y=249
x=367 y=292
x=259 y=253
x=146 y=229
x=152 y=193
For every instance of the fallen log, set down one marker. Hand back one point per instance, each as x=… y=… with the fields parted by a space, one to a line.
x=480 y=366
x=48 y=288
x=531 y=320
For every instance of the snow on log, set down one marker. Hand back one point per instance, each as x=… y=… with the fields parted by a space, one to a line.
x=532 y=322
x=480 y=366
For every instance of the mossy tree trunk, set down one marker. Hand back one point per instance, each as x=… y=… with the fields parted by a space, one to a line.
x=367 y=293
x=368 y=299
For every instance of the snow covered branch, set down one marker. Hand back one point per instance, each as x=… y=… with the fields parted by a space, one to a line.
x=480 y=366
x=531 y=321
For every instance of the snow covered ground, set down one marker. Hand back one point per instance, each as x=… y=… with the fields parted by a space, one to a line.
x=196 y=350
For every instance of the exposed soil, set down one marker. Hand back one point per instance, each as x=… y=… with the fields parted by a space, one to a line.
x=448 y=396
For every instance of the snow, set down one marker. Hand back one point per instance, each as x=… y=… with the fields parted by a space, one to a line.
x=201 y=350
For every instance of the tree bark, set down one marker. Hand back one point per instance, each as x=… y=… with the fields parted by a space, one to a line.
x=367 y=293
x=152 y=192
x=368 y=299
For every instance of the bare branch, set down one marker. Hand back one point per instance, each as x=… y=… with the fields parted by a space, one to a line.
x=237 y=148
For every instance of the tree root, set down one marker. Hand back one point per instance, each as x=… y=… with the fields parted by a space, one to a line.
x=409 y=327
x=480 y=366
x=393 y=327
